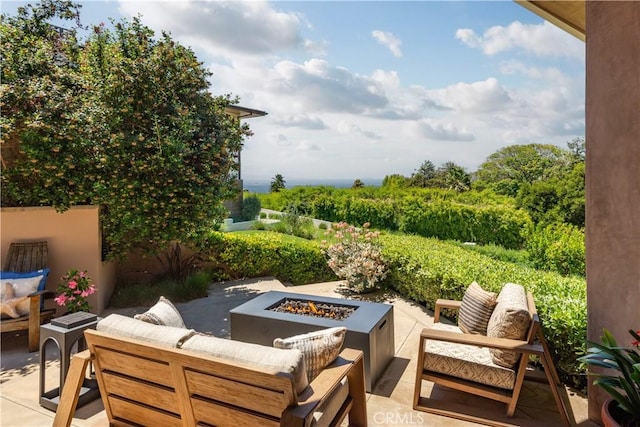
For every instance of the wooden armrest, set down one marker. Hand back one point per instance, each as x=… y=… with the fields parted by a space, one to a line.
x=44 y=293
x=444 y=303
x=325 y=383
x=481 y=341
x=71 y=390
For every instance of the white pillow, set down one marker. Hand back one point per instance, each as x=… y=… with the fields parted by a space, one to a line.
x=22 y=288
x=164 y=313
x=9 y=303
x=319 y=348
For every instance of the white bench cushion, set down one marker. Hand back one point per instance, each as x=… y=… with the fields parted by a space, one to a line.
x=126 y=327
x=466 y=361
x=265 y=359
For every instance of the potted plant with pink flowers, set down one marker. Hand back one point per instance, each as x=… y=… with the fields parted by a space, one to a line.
x=73 y=291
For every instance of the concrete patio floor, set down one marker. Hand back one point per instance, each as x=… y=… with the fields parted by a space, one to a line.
x=389 y=404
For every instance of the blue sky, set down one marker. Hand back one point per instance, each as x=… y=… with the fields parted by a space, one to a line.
x=366 y=89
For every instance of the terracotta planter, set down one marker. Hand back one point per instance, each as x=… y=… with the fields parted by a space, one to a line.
x=612 y=416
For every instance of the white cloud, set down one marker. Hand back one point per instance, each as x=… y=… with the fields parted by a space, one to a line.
x=543 y=40
x=304 y=121
x=479 y=97
x=324 y=116
x=551 y=74
x=224 y=28
x=320 y=86
x=388 y=40
x=443 y=131
x=347 y=128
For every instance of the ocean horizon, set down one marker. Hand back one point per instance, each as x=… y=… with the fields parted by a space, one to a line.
x=263 y=185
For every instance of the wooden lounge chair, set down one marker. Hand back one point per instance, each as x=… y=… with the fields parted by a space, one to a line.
x=143 y=383
x=462 y=378
x=23 y=258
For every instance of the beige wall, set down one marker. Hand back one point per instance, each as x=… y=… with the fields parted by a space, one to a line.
x=74 y=241
x=612 y=173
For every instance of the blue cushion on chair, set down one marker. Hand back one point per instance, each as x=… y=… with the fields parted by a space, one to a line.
x=41 y=286
x=13 y=275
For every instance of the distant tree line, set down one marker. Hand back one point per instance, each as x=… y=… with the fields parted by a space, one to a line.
x=545 y=180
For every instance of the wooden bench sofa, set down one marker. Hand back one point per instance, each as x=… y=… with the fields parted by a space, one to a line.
x=145 y=379
x=465 y=361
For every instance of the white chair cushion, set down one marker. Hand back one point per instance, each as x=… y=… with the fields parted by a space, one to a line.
x=466 y=361
x=22 y=287
x=9 y=303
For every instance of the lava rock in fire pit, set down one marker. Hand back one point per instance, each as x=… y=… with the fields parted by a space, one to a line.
x=312 y=308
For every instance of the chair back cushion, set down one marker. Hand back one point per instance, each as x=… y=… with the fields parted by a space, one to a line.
x=475 y=310
x=510 y=319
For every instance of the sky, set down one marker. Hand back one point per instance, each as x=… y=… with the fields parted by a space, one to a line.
x=365 y=89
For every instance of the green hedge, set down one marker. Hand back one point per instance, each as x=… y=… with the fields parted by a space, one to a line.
x=558 y=247
x=468 y=217
x=428 y=269
x=265 y=253
x=424 y=270
x=494 y=224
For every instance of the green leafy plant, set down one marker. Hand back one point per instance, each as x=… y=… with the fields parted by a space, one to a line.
x=624 y=385
x=73 y=291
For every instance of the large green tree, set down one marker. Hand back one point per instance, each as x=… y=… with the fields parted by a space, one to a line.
x=451 y=177
x=46 y=153
x=122 y=119
x=506 y=170
x=423 y=175
x=277 y=183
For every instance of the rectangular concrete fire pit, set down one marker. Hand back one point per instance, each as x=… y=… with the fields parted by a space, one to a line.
x=369 y=328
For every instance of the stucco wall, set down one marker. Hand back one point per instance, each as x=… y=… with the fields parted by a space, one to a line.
x=612 y=173
x=74 y=241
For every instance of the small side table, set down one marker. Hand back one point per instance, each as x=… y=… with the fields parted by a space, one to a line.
x=65 y=331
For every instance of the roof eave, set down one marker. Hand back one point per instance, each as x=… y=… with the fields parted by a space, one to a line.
x=567 y=15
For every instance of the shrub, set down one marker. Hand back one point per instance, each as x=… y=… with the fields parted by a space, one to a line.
x=428 y=269
x=356 y=256
x=558 y=247
x=378 y=213
x=500 y=225
x=259 y=226
x=520 y=257
x=289 y=259
x=136 y=294
x=295 y=225
x=250 y=208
